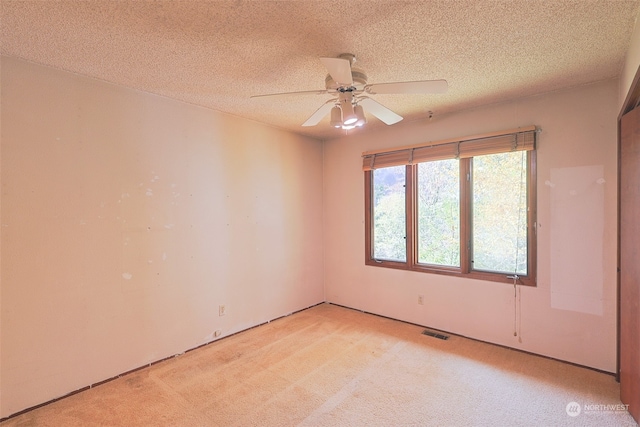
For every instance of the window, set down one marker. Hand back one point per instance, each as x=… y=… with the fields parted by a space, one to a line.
x=438 y=212
x=389 y=215
x=464 y=207
x=499 y=207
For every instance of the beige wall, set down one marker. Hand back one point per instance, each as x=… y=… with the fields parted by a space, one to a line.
x=569 y=315
x=128 y=218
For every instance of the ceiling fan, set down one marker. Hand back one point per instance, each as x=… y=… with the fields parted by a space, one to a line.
x=349 y=90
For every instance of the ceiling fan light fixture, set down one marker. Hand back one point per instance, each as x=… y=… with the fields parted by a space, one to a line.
x=362 y=119
x=336 y=117
x=346 y=104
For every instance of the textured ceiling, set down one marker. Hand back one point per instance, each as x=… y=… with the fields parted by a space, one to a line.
x=219 y=53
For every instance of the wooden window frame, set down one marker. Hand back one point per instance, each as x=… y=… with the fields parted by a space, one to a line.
x=465 y=269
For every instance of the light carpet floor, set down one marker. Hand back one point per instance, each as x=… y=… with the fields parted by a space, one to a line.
x=333 y=366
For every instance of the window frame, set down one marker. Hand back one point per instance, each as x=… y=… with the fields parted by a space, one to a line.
x=465 y=270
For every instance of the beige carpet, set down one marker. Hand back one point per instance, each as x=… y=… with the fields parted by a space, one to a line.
x=332 y=366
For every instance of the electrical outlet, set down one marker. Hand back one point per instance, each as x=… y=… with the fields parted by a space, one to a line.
x=222 y=310
x=421 y=299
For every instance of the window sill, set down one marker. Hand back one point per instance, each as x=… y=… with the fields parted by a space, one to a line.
x=452 y=271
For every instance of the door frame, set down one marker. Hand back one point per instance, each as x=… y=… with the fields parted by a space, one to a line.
x=631 y=101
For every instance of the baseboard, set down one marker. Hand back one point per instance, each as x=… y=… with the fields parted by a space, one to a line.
x=280 y=317
x=90 y=386
x=479 y=340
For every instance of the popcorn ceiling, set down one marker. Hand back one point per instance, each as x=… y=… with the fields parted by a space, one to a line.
x=218 y=53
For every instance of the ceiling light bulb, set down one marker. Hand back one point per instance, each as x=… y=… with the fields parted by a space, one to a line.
x=362 y=119
x=336 y=117
x=350 y=118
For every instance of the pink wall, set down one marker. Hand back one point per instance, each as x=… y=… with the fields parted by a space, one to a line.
x=571 y=319
x=128 y=218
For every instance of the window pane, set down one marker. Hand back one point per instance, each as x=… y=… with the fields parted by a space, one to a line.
x=439 y=213
x=500 y=213
x=389 y=219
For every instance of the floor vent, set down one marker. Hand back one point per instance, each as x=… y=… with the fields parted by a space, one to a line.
x=435 y=335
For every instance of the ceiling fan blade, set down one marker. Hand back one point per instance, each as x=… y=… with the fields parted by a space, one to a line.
x=319 y=114
x=304 y=92
x=422 y=86
x=339 y=69
x=379 y=110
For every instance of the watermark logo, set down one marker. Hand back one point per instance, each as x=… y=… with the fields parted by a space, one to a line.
x=573 y=409
x=616 y=407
